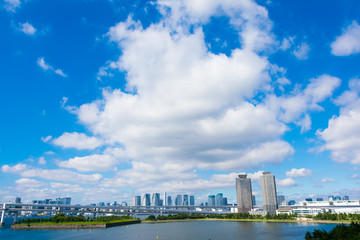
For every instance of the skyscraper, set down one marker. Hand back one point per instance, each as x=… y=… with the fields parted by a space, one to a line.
x=253 y=200
x=145 y=200
x=219 y=199
x=165 y=199
x=155 y=199
x=244 y=193
x=211 y=200
x=192 y=200
x=268 y=192
x=168 y=201
x=178 y=200
x=186 y=200
x=280 y=199
x=136 y=201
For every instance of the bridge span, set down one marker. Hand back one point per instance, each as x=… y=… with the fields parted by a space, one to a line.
x=17 y=208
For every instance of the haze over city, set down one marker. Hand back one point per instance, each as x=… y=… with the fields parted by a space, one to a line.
x=105 y=100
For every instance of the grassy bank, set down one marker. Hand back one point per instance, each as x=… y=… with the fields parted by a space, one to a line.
x=83 y=222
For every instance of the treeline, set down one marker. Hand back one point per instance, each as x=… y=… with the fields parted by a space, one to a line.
x=217 y=216
x=61 y=218
x=337 y=216
x=341 y=231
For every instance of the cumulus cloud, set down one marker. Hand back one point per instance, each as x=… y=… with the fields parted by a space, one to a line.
x=94 y=162
x=301 y=51
x=42 y=161
x=78 y=141
x=11 y=5
x=348 y=42
x=57 y=174
x=28 y=182
x=287 y=182
x=296 y=173
x=327 y=180
x=27 y=28
x=294 y=106
x=342 y=136
x=47 y=67
x=46 y=139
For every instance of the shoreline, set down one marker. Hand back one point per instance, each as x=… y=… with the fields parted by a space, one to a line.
x=56 y=226
x=249 y=220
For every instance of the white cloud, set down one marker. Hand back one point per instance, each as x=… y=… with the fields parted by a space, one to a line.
x=27 y=28
x=11 y=5
x=355 y=176
x=42 y=161
x=47 y=67
x=78 y=141
x=294 y=107
x=94 y=162
x=348 y=42
x=342 y=136
x=57 y=174
x=301 y=172
x=28 y=182
x=287 y=43
x=327 y=180
x=287 y=182
x=46 y=139
x=301 y=51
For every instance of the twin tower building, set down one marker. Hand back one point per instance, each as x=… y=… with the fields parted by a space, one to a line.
x=268 y=190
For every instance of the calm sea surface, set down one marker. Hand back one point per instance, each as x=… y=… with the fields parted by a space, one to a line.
x=214 y=230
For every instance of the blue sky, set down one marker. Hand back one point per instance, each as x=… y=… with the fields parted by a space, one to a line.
x=104 y=100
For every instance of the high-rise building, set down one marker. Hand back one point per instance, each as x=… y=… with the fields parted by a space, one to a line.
x=219 y=199
x=280 y=199
x=308 y=199
x=136 y=201
x=345 y=198
x=253 y=200
x=337 y=198
x=186 y=200
x=319 y=199
x=168 y=201
x=145 y=200
x=331 y=198
x=178 y=200
x=161 y=202
x=211 y=200
x=268 y=192
x=192 y=200
x=291 y=202
x=244 y=193
x=155 y=199
x=225 y=201
x=18 y=200
x=165 y=199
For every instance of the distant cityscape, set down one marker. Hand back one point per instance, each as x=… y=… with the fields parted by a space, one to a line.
x=246 y=201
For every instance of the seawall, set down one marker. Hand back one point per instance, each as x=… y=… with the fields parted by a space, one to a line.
x=69 y=226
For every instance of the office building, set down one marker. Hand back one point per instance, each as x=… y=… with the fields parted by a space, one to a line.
x=253 y=200
x=291 y=202
x=17 y=200
x=178 y=200
x=136 y=201
x=145 y=200
x=344 y=198
x=281 y=199
x=155 y=199
x=225 y=201
x=186 y=200
x=319 y=199
x=168 y=201
x=268 y=192
x=211 y=200
x=219 y=199
x=337 y=198
x=244 y=193
x=165 y=199
x=192 y=200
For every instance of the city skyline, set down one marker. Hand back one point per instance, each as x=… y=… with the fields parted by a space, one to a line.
x=121 y=98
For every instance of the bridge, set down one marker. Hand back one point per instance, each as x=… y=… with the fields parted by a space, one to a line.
x=17 y=208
